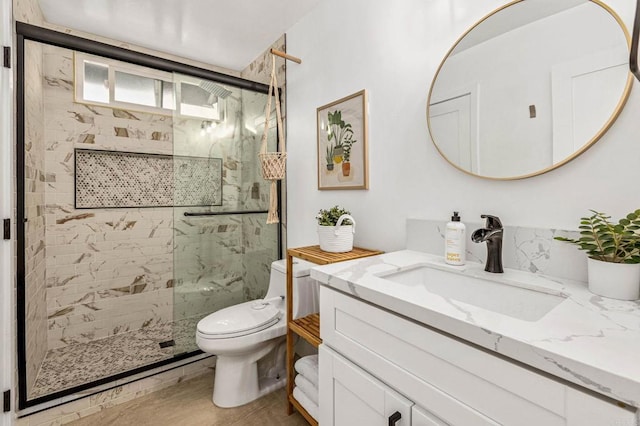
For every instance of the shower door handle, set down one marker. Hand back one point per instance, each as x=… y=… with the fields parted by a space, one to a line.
x=194 y=214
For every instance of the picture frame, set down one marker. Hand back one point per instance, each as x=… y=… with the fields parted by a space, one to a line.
x=342 y=131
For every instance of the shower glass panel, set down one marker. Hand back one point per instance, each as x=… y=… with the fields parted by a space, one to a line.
x=99 y=236
x=223 y=247
x=115 y=275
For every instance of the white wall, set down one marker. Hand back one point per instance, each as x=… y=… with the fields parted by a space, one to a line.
x=393 y=50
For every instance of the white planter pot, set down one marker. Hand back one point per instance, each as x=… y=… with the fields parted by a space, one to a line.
x=614 y=280
x=339 y=238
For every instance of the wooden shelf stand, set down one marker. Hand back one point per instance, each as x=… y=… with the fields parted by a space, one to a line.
x=308 y=327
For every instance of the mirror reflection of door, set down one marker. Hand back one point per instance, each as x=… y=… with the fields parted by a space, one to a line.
x=513 y=57
x=582 y=101
x=451 y=121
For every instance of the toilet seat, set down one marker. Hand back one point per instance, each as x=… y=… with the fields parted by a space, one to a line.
x=239 y=320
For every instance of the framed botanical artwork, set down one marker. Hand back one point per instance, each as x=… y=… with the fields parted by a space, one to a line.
x=342 y=143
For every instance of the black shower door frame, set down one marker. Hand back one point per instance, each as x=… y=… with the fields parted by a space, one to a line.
x=26 y=32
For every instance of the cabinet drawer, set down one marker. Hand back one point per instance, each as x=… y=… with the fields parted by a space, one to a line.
x=430 y=367
x=350 y=396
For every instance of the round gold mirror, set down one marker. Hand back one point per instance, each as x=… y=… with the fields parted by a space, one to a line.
x=530 y=87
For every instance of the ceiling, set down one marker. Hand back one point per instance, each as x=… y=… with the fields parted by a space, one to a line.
x=515 y=16
x=226 y=33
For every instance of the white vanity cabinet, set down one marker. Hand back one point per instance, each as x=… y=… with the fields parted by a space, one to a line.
x=354 y=397
x=374 y=363
x=357 y=398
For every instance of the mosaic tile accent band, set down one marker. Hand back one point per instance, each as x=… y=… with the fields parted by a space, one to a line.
x=112 y=179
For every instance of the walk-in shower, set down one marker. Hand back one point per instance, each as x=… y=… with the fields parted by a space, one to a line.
x=142 y=206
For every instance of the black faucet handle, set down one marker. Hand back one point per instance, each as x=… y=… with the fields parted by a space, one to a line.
x=493 y=222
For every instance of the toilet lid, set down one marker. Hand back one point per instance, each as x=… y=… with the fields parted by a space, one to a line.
x=239 y=320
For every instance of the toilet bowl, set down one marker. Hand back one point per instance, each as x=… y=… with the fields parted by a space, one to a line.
x=249 y=338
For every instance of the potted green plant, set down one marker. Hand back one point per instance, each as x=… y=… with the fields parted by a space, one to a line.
x=336 y=227
x=614 y=254
x=338 y=150
x=346 y=155
x=329 y=157
x=337 y=130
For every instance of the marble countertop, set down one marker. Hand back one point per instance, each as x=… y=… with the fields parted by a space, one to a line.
x=589 y=340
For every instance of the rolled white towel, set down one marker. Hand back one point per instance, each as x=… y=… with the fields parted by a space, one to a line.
x=308 y=367
x=306 y=402
x=307 y=387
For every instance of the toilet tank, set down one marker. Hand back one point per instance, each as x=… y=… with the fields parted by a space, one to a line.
x=305 y=289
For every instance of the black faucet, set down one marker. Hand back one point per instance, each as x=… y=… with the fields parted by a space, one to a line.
x=492 y=235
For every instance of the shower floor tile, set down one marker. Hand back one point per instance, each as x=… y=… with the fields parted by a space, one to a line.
x=81 y=363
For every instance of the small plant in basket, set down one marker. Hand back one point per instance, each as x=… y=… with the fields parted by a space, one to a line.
x=336 y=227
x=330 y=217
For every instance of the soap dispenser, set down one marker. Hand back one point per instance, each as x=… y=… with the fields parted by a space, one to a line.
x=455 y=238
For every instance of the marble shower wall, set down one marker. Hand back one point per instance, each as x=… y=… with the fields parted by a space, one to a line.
x=135 y=232
x=35 y=181
x=209 y=264
x=28 y=11
x=260 y=239
x=111 y=271
x=108 y=270
x=260 y=69
x=216 y=254
x=207 y=251
x=260 y=245
x=245 y=245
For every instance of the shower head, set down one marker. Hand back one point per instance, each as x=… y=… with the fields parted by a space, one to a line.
x=214 y=89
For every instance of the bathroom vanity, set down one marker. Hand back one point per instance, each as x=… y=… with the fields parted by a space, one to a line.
x=409 y=340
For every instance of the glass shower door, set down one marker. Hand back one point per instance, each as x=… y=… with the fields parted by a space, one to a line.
x=223 y=247
x=140 y=210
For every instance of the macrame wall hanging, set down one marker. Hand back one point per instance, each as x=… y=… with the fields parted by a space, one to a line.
x=273 y=164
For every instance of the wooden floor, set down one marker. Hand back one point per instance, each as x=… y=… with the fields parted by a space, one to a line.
x=189 y=404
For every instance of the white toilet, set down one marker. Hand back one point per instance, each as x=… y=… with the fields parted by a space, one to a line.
x=249 y=338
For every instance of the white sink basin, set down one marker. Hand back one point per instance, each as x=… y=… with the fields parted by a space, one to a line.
x=511 y=300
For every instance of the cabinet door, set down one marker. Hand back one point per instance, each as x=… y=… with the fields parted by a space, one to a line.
x=421 y=417
x=350 y=396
